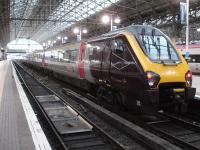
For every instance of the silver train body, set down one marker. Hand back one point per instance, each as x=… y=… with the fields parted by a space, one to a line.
x=57 y=60
x=192 y=56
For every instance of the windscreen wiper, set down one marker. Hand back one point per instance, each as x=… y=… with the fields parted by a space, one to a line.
x=154 y=44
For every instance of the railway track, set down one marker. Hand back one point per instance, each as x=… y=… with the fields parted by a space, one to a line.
x=134 y=132
x=72 y=131
x=179 y=130
x=176 y=129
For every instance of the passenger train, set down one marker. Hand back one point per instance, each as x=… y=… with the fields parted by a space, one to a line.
x=193 y=57
x=136 y=67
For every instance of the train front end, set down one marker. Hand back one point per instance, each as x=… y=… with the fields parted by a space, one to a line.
x=167 y=76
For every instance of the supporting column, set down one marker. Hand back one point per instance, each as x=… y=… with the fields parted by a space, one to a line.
x=187 y=25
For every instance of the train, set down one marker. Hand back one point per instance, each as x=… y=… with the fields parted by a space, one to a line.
x=136 y=67
x=192 y=56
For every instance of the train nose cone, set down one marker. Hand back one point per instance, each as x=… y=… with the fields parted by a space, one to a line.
x=172 y=75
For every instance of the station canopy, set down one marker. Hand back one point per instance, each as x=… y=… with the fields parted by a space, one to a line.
x=45 y=20
x=51 y=18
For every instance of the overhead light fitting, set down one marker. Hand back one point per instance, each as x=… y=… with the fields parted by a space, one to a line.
x=105 y=19
x=84 y=31
x=76 y=30
x=117 y=20
x=59 y=37
x=65 y=38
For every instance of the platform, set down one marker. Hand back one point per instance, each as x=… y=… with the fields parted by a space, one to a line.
x=196 y=83
x=15 y=130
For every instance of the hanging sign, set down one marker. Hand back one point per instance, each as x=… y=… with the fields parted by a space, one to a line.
x=183 y=12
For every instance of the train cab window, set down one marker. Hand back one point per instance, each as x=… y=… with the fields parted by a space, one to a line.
x=121 y=55
x=157 y=46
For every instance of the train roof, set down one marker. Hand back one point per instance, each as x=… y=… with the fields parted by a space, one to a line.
x=132 y=29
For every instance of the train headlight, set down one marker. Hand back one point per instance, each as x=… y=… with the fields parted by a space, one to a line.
x=152 y=79
x=188 y=78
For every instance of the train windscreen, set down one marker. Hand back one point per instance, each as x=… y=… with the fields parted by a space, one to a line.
x=156 y=45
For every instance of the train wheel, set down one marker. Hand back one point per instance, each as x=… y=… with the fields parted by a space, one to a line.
x=119 y=99
x=184 y=107
x=99 y=94
x=181 y=108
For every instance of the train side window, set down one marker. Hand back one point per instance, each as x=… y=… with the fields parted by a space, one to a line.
x=66 y=56
x=95 y=50
x=70 y=55
x=73 y=55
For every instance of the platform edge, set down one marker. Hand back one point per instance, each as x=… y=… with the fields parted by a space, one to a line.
x=39 y=138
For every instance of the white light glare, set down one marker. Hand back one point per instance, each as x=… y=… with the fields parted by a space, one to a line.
x=117 y=20
x=54 y=41
x=198 y=29
x=89 y=45
x=59 y=37
x=44 y=44
x=84 y=31
x=105 y=19
x=76 y=30
x=65 y=38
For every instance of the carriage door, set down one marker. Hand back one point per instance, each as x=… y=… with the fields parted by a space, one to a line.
x=81 y=61
x=105 y=66
x=117 y=63
x=124 y=71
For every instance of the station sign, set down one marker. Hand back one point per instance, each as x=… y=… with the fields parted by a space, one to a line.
x=183 y=13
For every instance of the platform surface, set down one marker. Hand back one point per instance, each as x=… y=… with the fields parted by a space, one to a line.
x=14 y=129
x=196 y=83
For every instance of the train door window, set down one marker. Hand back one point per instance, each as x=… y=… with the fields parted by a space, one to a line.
x=118 y=47
x=95 y=52
x=121 y=56
x=117 y=53
x=95 y=56
x=129 y=64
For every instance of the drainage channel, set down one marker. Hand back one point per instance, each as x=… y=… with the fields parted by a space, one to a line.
x=73 y=131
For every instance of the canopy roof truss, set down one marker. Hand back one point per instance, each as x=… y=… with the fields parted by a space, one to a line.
x=42 y=20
